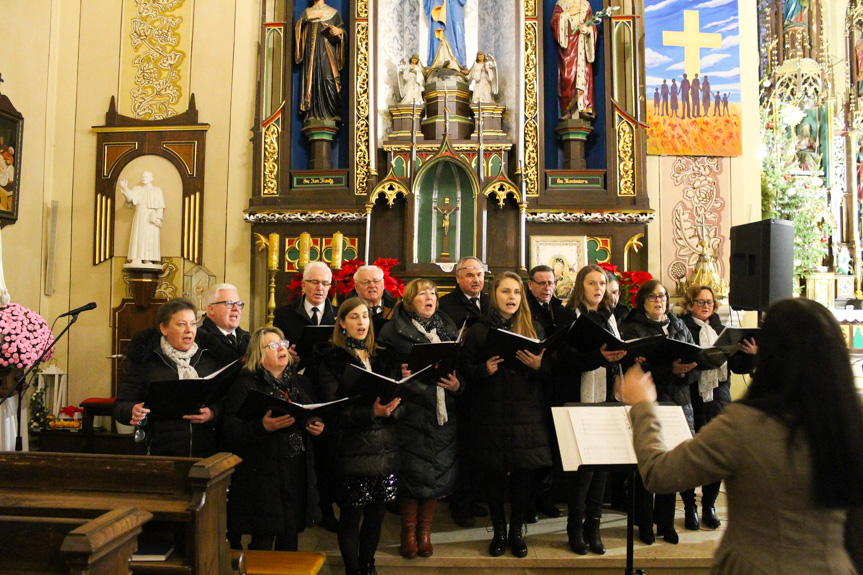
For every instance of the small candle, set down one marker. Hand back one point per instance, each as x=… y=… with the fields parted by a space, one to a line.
x=273 y=252
x=305 y=249
x=336 y=261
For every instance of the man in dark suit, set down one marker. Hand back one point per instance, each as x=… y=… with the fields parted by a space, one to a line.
x=369 y=287
x=220 y=331
x=314 y=308
x=466 y=301
x=549 y=313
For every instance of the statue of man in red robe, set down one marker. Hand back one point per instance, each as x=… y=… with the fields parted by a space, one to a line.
x=575 y=33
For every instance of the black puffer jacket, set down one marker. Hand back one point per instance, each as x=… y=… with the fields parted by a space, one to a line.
x=367 y=445
x=669 y=387
x=259 y=482
x=508 y=412
x=147 y=363
x=428 y=450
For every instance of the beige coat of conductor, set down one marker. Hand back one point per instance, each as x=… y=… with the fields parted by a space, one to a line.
x=774 y=525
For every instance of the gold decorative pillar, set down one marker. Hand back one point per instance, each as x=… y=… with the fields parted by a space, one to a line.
x=531 y=99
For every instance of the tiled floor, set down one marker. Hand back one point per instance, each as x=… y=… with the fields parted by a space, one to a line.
x=459 y=550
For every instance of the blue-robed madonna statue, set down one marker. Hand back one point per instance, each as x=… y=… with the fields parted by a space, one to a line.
x=446 y=19
x=320 y=41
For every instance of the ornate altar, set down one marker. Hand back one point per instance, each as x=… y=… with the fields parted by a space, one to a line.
x=428 y=179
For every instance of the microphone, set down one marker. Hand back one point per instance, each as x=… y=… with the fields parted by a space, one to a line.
x=77 y=310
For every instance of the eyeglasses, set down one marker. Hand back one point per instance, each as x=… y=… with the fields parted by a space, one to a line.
x=275 y=345
x=229 y=303
x=704 y=302
x=471 y=268
x=657 y=297
x=367 y=282
x=544 y=284
x=317 y=283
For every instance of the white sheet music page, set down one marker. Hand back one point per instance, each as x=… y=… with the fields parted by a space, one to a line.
x=675 y=429
x=603 y=435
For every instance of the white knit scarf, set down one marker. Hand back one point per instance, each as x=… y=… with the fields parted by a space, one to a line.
x=433 y=337
x=593 y=383
x=181 y=358
x=710 y=378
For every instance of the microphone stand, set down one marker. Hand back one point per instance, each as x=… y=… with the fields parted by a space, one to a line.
x=20 y=387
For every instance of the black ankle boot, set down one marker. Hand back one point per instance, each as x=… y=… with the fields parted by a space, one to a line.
x=709 y=518
x=591 y=534
x=575 y=534
x=516 y=539
x=497 y=547
x=691 y=518
x=368 y=568
x=668 y=533
x=645 y=534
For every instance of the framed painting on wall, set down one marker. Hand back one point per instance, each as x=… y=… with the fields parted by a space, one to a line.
x=11 y=138
x=563 y=254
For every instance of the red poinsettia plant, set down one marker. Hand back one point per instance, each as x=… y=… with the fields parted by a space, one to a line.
x=343 y=279
x=629 y=282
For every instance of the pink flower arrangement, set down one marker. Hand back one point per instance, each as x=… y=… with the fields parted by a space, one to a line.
x=24 y=335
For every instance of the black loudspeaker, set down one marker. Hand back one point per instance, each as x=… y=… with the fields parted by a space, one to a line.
x=762 y=264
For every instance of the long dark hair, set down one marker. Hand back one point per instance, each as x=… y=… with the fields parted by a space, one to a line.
x=804 y=378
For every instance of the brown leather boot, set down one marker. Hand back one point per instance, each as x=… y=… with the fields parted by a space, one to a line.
x=425 y=514
x=408 y=547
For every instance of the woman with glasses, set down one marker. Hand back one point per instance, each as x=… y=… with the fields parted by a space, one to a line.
x=650 y=316
x=272 y=490
x=712 y=392
x=167 y=353
x=367 y=450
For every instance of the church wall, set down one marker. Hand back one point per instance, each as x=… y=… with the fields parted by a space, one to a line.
x=74 y=54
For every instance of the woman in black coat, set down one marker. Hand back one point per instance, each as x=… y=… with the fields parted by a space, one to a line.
x=368 y=451
x=712 y=391
x=591 y=376
x=272 y=490
x=509 y=433
x=650 y=316
x=425 y=423
x=166 y=354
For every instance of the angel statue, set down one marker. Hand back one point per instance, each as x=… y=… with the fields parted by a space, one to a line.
x=483 y=74
x=411 y=81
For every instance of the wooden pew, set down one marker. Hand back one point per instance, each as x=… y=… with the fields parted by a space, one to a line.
x=64 y=545
x=187 y=495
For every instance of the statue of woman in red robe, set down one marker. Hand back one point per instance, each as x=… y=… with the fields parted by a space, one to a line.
x=575 y=33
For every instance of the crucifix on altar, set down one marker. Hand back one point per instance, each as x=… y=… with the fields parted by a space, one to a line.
x=446 y=209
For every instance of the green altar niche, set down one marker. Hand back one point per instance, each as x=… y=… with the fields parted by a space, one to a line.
x=446 y=192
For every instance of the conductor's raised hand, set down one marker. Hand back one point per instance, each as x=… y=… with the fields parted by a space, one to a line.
x=637 y=386
x=139 y=413
x=272 y=424
x=204 y=415
x=450 y=382
x=612 y=356
x=385 y=410
x=533 y=361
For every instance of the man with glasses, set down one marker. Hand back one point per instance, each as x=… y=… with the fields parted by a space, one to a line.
x=221 y=327
x=548 y=312
x=466 y=301
x=369 y=287
x=314 y=307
